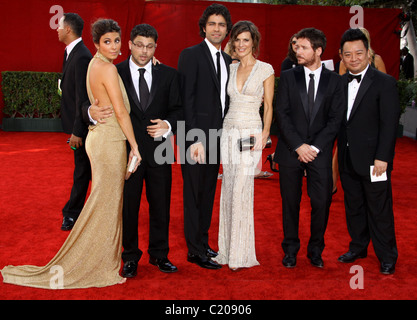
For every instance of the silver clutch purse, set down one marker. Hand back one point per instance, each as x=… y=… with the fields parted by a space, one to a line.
x=246 y=143
x=249 y=143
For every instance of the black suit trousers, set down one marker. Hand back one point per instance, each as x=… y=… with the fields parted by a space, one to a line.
x=81 y=181
x=319 y=189
x=199 y=190
x=158 y=181
x=369 y=213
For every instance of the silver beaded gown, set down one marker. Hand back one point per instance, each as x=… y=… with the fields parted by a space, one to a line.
x=236 y=237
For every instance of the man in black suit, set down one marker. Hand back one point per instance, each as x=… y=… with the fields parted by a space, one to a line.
x=154 y=96
x=366 y=144
x=74 y=93
x=309 y=111
x=203 y=70
x=407 y=63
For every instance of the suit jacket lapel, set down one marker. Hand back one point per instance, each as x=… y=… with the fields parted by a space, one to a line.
x=155 y=81
x=366 y=82
x=321 y=90
x=207 y=53
x=70 y=57
x=127 y=80
x=301 y=85
x=345 y=89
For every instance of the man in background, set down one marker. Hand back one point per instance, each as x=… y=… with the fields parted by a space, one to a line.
x=74 y=93
x=407 y=63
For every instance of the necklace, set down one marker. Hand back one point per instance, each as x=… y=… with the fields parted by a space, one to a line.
x=101 y=57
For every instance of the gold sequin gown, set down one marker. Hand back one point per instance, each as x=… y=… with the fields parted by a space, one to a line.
x=236 y=237
x=91 y=255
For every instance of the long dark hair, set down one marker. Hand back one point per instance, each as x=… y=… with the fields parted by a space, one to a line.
x=291 y=54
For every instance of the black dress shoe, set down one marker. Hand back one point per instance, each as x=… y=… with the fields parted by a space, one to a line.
x=351 y=256
x=316 y=260
x=211 y=253
x=163 y=264
x=67 y=223
x=130 y=269
x=387 y=268
x=203 y=262
x=289 y=261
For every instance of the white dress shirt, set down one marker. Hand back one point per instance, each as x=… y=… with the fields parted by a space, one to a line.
x=317 y=74
x=71 y=46
x=134 y=71
x=353 y=88
x=224 y=75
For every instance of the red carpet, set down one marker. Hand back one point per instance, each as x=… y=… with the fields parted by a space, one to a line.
x=35 y=180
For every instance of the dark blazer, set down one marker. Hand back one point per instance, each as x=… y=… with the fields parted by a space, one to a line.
x=407 y=66
x=74 y=91
x=202 y=104
x=164 y=103
x=371 y=130
x=294 y=127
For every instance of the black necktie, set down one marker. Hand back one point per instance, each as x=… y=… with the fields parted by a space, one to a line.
x=65 y=59
x=143 y=89
x=218 y=66
x=310 y=94
x=351 y=77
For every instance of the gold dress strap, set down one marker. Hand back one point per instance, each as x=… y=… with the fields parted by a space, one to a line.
x=98 y=55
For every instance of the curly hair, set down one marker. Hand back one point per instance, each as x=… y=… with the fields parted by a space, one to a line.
x=217 y=9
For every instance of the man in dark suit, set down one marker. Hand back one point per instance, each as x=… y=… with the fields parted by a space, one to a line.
x=154 y=96
x=407 y=63
x=74 y=93
x=309 y=111
x=366 y=144
x=203 y=70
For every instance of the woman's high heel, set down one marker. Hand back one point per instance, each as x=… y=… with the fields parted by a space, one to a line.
x=271 y=163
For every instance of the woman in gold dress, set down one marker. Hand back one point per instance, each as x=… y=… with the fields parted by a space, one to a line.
x=91 y=255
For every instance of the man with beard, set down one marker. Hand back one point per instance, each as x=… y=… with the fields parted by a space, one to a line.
x=309 y=111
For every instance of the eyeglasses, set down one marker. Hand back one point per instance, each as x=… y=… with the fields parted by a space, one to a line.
x=141 y=46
